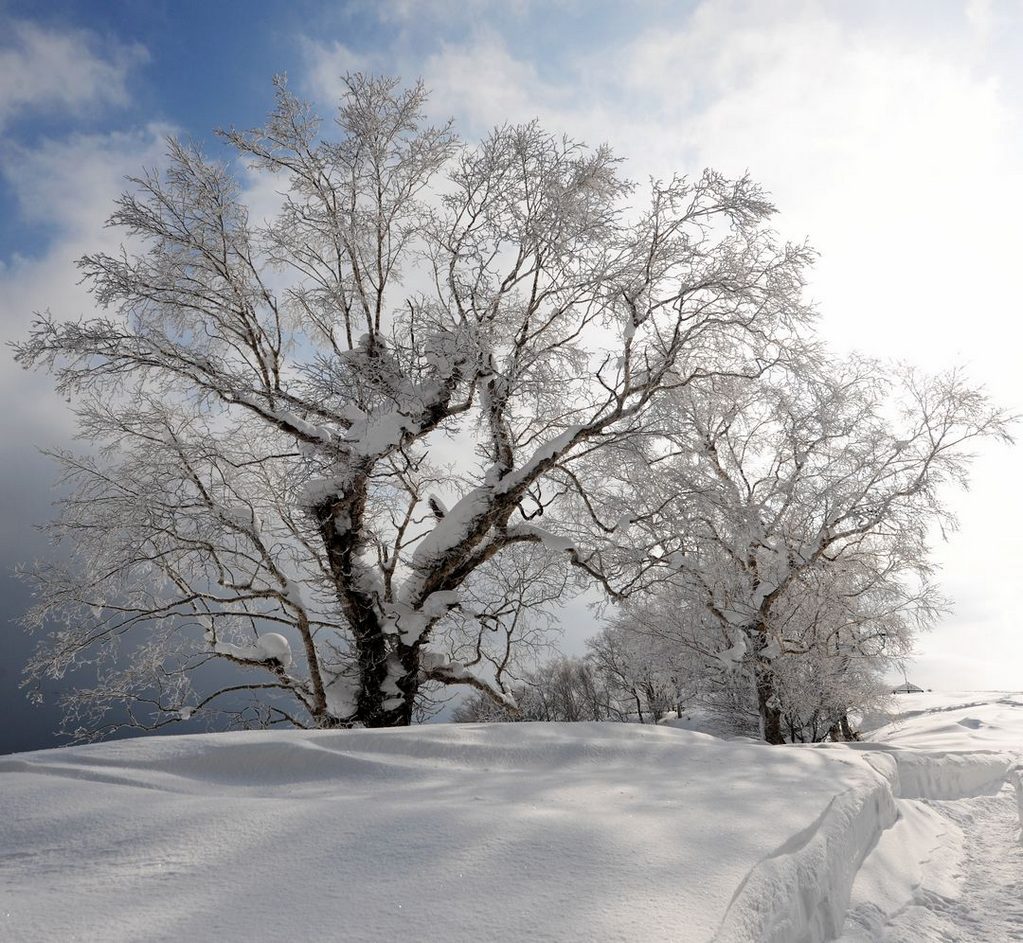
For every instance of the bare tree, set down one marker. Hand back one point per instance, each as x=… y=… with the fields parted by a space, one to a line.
x=561 y=689
x=271 y=403
x=792 y=518
x=645 y=672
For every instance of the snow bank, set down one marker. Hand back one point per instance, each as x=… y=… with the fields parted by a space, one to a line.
x=956 y=755
x=923 y=849
x=941 y=775
x=801 y=892
x=951 y=729
x=951 y=775
x=498 y=832
x=437 y=833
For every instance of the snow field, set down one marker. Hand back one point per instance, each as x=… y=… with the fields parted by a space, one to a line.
x=438 y=833
x=508 y=832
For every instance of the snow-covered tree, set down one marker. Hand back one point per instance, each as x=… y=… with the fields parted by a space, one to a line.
x=792 y=518
x=626 y=676
x=317 y=439
x=844 y=626
x=561 y=689
x=646 y=673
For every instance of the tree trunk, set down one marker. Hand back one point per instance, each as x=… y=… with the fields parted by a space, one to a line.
x=639 y=704
x=841 y=731
x=767 y=695
x=343 y=545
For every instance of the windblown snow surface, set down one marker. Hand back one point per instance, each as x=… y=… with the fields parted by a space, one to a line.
x=951 y=868
x=567 y=832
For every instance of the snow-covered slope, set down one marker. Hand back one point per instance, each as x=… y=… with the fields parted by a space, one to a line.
x=967 y=720
x=440 y=833
x=449 y=833
x=951 y=868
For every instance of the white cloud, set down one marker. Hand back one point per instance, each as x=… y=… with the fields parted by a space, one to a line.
x=45 y=69
x=484 y=85
x=981 y=16
x=885 y=149
x=327 y=62
x=71 y=186
x=877 y=147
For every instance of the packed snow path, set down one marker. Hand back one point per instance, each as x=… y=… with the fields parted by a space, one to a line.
x=950 y=870
x=990 y=907
x=983 y=900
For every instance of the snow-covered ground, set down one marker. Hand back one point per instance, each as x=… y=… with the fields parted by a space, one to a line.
x=951 y=868
x=518 y=832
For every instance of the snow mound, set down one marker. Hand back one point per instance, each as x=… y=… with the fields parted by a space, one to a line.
x=437 y=833
x=504 y=832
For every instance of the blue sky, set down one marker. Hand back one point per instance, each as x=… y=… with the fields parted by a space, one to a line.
x=887 y=133
x=193 y=65
x=197 y=65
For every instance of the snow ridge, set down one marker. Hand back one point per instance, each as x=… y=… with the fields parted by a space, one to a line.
x=801 y=892
x=554 y=831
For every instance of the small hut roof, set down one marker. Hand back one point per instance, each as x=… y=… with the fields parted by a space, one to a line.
x=907 y=688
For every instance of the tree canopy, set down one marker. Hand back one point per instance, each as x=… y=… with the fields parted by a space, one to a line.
x=323 y=439
x=360 y=448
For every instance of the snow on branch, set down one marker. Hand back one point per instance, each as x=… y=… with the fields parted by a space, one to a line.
x=431 y=363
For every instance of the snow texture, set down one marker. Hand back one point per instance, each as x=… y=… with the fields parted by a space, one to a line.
x=951 y=869
x=520 y=831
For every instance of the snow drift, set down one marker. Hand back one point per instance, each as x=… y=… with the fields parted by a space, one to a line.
x=949 y=867
x=458 y=833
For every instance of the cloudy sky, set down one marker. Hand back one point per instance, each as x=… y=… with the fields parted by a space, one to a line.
x=890 y=134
